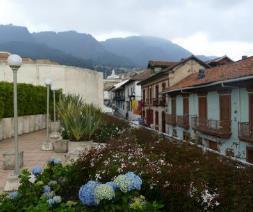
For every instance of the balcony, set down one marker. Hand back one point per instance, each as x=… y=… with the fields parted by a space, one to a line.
x=183 y=121
x=171 y=119
x=245 y=131
x=159 y=102
x=146 y=102
x=119 y=98
x=221 y=129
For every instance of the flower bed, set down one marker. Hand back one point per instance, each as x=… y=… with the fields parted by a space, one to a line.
x=173 y=176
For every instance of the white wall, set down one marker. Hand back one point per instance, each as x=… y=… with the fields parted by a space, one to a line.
x=73 y=80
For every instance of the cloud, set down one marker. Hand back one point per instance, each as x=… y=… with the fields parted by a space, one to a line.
x=223 y=22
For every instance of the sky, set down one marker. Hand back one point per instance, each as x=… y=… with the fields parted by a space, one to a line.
x=207 y=27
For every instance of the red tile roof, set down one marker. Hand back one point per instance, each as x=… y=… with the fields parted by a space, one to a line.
x=241 y=68
x=162 y=64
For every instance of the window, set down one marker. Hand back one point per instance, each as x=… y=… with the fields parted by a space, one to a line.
x=157 y=118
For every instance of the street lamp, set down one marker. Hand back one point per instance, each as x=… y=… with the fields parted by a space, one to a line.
x=47 y=145
x=54 y=88
x=15 y=61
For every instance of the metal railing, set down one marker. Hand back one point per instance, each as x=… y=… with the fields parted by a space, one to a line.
x=219 y=128
x=171 y=119
x=245 y=131
x=183 y=121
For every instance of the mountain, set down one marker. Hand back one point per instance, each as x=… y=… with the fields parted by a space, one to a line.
x=39 y=51
x=141 y=49
x=82 y=46
x=80 y=49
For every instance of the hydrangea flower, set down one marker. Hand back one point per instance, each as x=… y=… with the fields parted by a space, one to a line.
x=50 y=202
x=86 y=193
x=113 y=185
x=46 y=189
x=135 y=179
x=104 y=192
x=57 y=199
x=49 y=195
x=13 y=195
x=124 y=183
x=36 y=170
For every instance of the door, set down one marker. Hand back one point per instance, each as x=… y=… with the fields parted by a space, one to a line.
x=251 y=113
x=186 y=110
x=225 y=111
x=202 y=111
x=163 y=122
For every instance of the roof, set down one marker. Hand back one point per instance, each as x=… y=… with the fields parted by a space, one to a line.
x=142 y=75
x=162 y=64
x=219 y=61
x=170 y=68
x=183 y=61
x=119 y=85
x=241 y=68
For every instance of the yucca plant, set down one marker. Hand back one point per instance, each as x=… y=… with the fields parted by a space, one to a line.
x=80 y=120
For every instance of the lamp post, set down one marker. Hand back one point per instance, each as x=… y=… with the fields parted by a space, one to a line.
x=54 y=88
x=47 y=145
x=12 y=183
x=15 y=61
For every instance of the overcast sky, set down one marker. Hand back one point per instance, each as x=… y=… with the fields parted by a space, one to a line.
x=209 y=27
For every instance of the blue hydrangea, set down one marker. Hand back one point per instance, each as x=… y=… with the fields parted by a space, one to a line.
x=128 y=182
x=113 y=185
x=86 y=193
x=104 y=192
x=123 y=183
x=13 y=195
x=36 y=170
x=57 y=199
x=135 y=179
x=46 y=189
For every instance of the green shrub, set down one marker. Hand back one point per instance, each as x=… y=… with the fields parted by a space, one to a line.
x=80 y=120
x=31 y=99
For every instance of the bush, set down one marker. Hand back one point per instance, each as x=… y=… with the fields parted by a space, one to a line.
x=80 y=120
x=31 y=99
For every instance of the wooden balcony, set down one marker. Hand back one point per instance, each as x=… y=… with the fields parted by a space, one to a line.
x=183 y=121
x=245 y=131
x=171 y=119
x=221 y=129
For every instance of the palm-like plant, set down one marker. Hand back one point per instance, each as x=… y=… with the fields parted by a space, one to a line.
x=80 y=120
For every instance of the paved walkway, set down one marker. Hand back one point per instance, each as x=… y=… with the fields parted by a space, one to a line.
x=33 y=155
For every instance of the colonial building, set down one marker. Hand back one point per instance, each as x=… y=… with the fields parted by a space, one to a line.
x=214 y=107
x=127 y=96
x=163 y=75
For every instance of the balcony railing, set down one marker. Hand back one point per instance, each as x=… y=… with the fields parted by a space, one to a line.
x=183 y=121
x=159 y=102
x=217 y=128
x=245 y=131
x=171 y=119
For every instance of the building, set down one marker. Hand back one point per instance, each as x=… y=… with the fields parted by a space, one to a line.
x=72 y=80
x=214 y=108
x=127 y=98
x=163 y=75
x=224 y=60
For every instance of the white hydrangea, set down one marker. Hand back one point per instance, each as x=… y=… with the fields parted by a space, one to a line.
x=104 y=192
